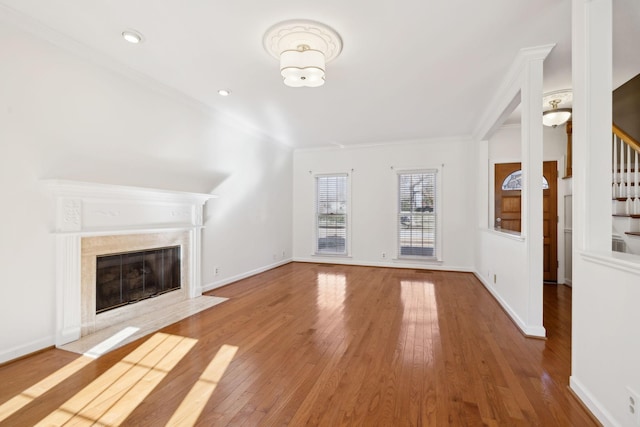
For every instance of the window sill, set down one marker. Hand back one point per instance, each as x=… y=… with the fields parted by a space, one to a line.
x=321 y=255
x=418 y=260
x=513 y=235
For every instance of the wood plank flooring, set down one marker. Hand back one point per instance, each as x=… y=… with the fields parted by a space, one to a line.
x=308 y=344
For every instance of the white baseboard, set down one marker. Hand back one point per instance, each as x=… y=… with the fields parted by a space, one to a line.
x=21 y=350
x=388 y=264
x=592 y=403
x=530 y=331
x=226 y=281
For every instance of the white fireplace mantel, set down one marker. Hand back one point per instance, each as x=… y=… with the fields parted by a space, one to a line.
x=90 y=208
x=86 y=209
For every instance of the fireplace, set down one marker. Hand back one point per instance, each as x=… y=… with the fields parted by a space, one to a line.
x=116 y=245
x=129 y=277
x=139 y=249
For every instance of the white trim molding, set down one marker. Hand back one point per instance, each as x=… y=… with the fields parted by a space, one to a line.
x=614 y=260
x=392 y=263
x=218 y=284
x=592 y=403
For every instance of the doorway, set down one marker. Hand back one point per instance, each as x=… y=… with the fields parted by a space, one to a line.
x=508 y=206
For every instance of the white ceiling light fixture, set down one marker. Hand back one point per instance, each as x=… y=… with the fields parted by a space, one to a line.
x=556 y=116
x=132 y=36
x=303 y=48
x=224 y=92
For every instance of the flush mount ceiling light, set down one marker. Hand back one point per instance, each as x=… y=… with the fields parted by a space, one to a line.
x=303 y=48
x=132 y=36
x=224 y=92
x=557 y=116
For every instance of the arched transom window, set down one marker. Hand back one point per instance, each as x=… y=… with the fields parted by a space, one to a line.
x=514 y=181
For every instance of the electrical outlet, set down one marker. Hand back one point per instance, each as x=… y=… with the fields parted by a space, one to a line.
x=495 y=278
x=216 y=271
x=384 y=254
x=283 y=254
x=633 y=405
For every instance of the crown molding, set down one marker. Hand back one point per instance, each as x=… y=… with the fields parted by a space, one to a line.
x=396 y=143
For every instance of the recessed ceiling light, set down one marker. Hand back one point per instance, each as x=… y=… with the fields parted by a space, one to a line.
x=132 y=36
x=224 y=92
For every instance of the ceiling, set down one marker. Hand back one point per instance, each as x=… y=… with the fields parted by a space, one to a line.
x=409 y=70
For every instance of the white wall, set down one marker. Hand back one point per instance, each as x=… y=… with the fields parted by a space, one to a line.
x=249 y=225
x=61 y=116
x=505 y=144
x=605 y=337
x=374 y=204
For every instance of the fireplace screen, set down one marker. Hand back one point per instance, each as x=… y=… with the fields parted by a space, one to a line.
x=133 y=276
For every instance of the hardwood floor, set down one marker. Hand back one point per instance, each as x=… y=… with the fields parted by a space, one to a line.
x=308 y=344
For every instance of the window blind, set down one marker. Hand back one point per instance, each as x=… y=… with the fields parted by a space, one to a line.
x=417 y=214
x=331 y=214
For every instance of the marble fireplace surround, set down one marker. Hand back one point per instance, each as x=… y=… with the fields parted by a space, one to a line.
x=94 y=246
x=100 y=219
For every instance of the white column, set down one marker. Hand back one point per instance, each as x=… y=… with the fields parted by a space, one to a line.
x=532 y=215
x=195 y=237
x=68 y=292
x=592 y=104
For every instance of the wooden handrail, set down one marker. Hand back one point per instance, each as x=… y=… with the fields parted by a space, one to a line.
x=628 y=139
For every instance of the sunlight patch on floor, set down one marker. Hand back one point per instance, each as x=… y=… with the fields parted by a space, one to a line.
x=192 y=405
x=419 y=316
x=16 y=403
x=115 y=339
x=115 y=394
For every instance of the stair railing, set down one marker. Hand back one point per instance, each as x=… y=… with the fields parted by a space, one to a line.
x=625 y=170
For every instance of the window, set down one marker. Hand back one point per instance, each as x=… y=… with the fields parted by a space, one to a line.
x=417 y=225
x=331 y=214
x=514 y=182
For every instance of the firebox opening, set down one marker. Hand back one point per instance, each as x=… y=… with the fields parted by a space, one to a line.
x=129 y=277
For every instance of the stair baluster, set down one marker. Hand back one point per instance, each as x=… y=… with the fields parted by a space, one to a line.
x=620 y=167
x=636 y=200
x=621 y=170
x=614 y=179
x=628 y=206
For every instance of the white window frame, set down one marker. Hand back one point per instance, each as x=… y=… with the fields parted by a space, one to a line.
x=316 y=234
x=437 y=213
